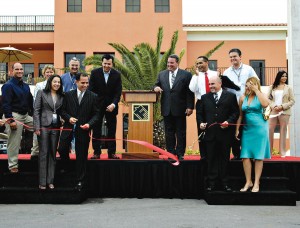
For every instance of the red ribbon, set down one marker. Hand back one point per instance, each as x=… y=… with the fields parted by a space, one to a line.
x=143 y=143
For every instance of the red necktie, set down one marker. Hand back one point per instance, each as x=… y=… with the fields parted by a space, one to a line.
x=206 y=83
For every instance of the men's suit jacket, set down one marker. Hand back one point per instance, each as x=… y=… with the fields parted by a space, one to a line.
x=44 y=108
x=225 y=110
x=86 y=112
x=177 y=99
x=109 y=92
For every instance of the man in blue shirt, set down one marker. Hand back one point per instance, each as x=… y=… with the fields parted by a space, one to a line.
x=17 y=102
x=69 y=78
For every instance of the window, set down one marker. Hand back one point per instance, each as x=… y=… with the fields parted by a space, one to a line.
x=103 y=6
x=162 y=6
x=213 y=64
x=74 y=5
x=69 y=56
x=28 y=72
x=259 y=68
x=133 y=6
x=41 y=67
x=3 y=72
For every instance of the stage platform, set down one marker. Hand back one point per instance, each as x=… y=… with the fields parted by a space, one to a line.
x=280 y=183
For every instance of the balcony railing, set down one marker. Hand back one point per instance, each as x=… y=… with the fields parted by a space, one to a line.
x=26 y=23
x=266 y=74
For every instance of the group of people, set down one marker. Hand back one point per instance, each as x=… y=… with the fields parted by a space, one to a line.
x=229 y=110
x=74 y=101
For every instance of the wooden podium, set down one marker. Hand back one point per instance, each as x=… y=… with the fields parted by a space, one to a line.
x=140 y=123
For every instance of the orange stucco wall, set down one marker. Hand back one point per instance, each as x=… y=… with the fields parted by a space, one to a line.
x=272 y=51
x=89 y=31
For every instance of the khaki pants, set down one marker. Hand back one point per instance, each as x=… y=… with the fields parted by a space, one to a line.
x=14 y=139
x=283 y=121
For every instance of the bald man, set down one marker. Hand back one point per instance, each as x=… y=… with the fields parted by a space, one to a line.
x=218 y=109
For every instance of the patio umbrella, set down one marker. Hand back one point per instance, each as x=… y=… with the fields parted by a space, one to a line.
x=11 y=54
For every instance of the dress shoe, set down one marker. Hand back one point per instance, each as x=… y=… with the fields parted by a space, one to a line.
x=226 y=188
x=51 y=186
x=95 y=156
x=246 y=187
x=79 y=186
x=34 y=157
x=14 y=170
x=211 y=188
x=113 y=156
x=255 y=189
x=42 y=187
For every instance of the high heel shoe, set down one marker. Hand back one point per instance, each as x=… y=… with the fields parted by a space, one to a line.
x=255 y=189
x=51 y=186
x=246 y=187
x=41 y=187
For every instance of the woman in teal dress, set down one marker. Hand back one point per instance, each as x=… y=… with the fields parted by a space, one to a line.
x=255 y=138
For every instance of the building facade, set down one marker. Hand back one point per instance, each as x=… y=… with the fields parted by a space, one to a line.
x=82 y=28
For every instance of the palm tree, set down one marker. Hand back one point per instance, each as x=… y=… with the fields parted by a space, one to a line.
x=139 y=69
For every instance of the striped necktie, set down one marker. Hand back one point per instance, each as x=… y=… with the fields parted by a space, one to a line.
x=173 y=79
x=216 y=97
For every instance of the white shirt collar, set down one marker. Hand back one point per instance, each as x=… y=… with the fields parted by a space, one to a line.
x=78 y=92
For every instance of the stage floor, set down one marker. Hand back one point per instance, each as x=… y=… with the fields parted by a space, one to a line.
x=162 y=157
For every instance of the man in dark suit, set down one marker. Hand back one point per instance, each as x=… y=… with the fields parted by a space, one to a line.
x=218 y=109
x=106 y=83
x=177 y=102
x=80 y=112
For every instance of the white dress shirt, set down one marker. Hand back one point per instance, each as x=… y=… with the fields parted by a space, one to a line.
x=197 y=84
x=239 y=77
x=170 y=77
x=39 y=86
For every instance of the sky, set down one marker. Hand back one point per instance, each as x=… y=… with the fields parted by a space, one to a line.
x=194 y=11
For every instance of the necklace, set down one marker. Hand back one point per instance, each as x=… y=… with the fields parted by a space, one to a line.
x=239 y=72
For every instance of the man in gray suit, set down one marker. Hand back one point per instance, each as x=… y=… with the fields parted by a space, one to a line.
x=177 y=102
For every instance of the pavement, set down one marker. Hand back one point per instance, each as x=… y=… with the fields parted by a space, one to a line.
x=124 y=212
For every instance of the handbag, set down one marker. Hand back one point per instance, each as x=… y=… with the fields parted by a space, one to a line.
x=266 y=112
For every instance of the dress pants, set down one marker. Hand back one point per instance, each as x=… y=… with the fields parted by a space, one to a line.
x=82 y=141
x=283 y=121
x=111 y=121
x=202 y=145
x=175 y=129
x=218 y=154
x=14 y=138
x=48 y=141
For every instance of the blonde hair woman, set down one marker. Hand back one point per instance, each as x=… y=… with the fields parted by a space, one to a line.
x=281 y=98
x=255 y=138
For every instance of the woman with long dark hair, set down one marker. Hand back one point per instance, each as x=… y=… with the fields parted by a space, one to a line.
x=46 y=121
x=281 y=98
